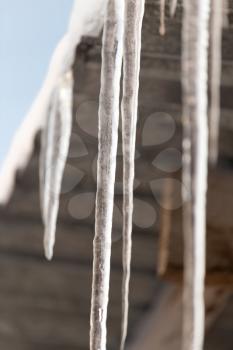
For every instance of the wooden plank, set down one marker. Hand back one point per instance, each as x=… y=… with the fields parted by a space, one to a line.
x=57 y=279
x=74 y=243
x=162 y=326
x=48 y=303
x=219 y=234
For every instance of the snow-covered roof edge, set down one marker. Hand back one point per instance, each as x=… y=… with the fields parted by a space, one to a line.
x=86 y=20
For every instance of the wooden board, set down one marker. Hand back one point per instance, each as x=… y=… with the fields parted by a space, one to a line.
x=219 y=232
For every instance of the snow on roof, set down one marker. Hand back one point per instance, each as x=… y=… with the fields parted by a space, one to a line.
x=86 y=20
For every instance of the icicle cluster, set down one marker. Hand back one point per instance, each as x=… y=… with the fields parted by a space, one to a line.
x=134 y=12
x=195 y=36
x=122 y=43
x=53 y=157
x=57 y=92
x=112 y=51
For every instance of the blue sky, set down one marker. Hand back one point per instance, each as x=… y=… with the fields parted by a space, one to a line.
x=29 y=32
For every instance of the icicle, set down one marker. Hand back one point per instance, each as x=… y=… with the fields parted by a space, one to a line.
x=216 y=65
x=162 y=28
x=195 y=146
x=173 y=7
x=46 y=154
x=57 y=145
x=112 y=52
x=134 y=12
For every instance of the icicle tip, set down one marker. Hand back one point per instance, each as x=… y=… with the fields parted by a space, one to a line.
x=173 y=7
x=162 y=30
x=48 y=250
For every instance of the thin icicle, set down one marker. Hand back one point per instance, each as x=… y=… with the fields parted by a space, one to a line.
x=173 y=7
x=216 y=70
x=46 y=154
x=195 y=165
x=112 y=52
x=134 y=12
x=162 y=28
x=57 y=146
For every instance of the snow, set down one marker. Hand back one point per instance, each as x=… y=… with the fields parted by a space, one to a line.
x=86 y=19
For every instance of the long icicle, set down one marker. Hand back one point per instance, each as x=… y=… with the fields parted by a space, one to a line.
x=134 y=12
x=47 y=136
x=173 y=7
x=195 y=166
x=112 y=52
x=216 y=70
x=59 y=130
